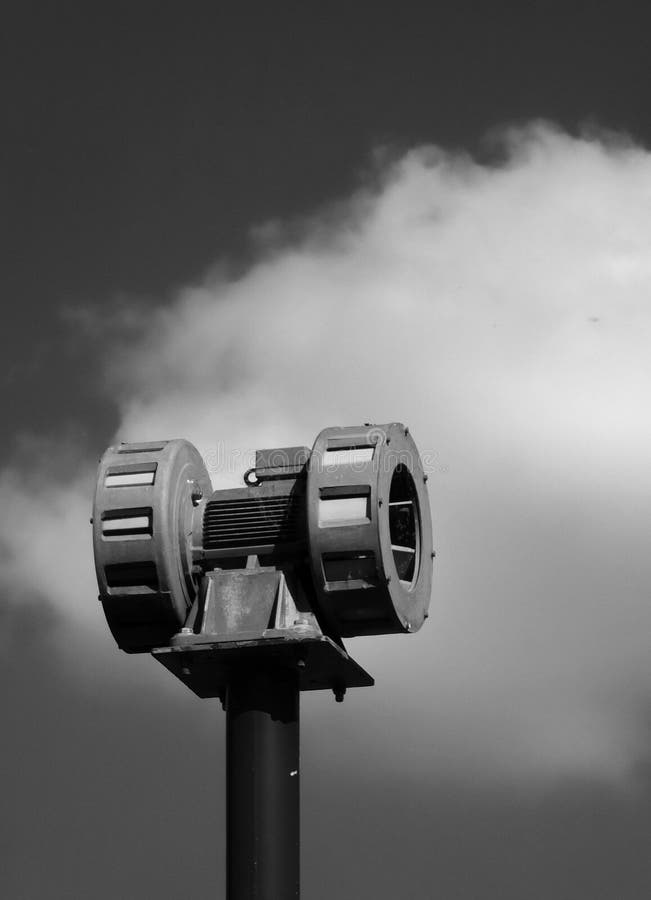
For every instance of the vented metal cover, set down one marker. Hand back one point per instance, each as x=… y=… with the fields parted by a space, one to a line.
x=370 y=529
x=142 y=528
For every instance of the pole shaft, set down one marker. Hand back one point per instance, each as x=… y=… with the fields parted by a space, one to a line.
x=262 y=788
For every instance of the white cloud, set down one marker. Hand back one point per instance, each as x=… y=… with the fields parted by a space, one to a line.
x=503 y=313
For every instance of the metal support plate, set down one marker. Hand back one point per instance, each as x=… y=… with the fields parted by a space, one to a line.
x=207 y=668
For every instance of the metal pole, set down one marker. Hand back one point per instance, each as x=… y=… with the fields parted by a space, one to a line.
x=262 y=787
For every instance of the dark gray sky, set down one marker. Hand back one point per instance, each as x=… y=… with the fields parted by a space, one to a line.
x=141 y=141
x=505 y=751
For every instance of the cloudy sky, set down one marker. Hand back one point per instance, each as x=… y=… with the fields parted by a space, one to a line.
x=242 y=223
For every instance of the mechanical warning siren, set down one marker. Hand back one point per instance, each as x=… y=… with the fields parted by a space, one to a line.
x=347 y=524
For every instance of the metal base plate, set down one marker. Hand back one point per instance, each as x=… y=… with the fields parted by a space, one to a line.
x=207 y=668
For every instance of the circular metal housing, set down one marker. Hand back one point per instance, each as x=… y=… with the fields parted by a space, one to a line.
x=142 y=529
x=370 y=530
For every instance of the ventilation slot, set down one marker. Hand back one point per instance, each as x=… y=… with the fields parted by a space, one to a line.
x=250 y=522
x=344 y=505
x=127 y=524
x=148 y=447
x=348 y=456
x=137 y=577
x=140 y=474
x=343 y=571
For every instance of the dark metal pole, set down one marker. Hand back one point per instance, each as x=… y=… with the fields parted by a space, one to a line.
x=262 y=787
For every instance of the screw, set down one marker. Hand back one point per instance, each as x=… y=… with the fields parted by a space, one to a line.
x=186 y=631
x=388 y=579
x=185 y=671
x=406 y=432
x=196 y=570
x=425 y=477
x=380 y=501
x=340 y=693
x=196 y=495
x=301 y=663
x=91 y=520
